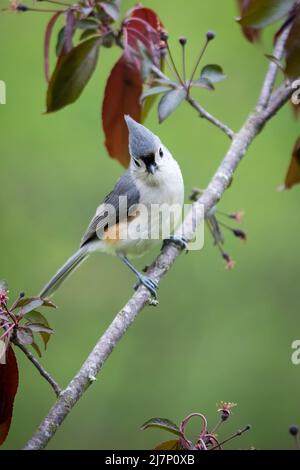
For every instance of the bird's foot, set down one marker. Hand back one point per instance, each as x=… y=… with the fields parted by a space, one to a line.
x=181 y=242
x=149 y=283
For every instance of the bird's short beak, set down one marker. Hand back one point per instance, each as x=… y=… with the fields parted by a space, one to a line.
x=152 y=168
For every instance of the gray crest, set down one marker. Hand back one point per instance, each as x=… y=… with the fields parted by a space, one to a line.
x=142 y=142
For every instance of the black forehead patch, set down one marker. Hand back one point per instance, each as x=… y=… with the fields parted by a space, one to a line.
x=148 y=159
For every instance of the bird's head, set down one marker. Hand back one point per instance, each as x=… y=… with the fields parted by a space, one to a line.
x=148 y=154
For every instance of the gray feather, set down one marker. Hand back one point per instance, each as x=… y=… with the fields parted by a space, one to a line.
x=64 y=272
x=125 y=186
x=142 y=142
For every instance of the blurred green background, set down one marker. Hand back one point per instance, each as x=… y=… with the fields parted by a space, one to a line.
x=216 y=335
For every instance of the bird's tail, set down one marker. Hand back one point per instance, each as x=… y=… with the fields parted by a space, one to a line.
x=64 y=272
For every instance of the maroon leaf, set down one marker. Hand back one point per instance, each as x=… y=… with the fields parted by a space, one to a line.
x=261 y=13
x=293 y=50
x=252 y=34
x=47 y=39
x=124 y=86
x=9 y=380
x=143 y=26
x=122 y=96
x=293 y=174
x=24 y=335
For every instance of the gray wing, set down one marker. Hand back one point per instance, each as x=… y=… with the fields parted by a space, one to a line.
x=125 y=186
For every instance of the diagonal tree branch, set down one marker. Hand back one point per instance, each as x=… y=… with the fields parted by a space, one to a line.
x=270 y=79
x=217 y=186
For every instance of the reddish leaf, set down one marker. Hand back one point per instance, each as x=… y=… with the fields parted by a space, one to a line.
x=261 y=13
x=143 y=26
x=124 y=86
x=252 y=34
x=9 y=379
x=293 y=174
x=47 y=38
x=122 y=96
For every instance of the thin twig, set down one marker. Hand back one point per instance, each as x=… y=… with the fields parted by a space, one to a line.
x=236 y=434
x=57 y=2
x=197 y=64
x=206 y=115
x=57 y=389
x=174 y=65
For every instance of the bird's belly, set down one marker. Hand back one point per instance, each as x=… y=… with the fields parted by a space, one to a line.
x=148 y=227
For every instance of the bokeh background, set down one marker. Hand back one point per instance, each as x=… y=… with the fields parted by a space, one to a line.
x=216 y=335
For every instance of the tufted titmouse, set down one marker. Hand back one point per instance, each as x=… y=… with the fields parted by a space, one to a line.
x=125 y=223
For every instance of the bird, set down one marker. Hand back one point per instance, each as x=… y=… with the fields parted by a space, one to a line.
x=124 y=223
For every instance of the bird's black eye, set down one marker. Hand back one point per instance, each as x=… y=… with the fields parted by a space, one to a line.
x=161 y=153
x=137 y=162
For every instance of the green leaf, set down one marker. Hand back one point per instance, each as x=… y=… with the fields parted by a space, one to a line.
x=174 y=444
x=169 y=102
x=87 y=23
x=203 y=83
x=60 y=41
x=213 y=73
x=72 y=73
x=156 y=90
x=261 y=13
x=37 y=317
x=87 y=33
x=162 y=423
x=48 y=303
x=37 y=349
x=45 y=337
